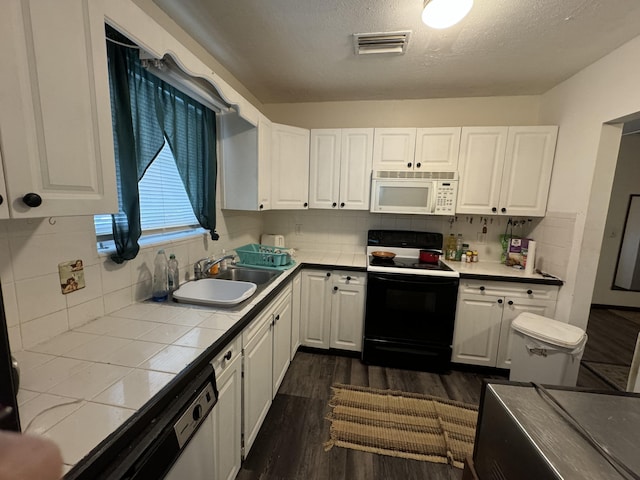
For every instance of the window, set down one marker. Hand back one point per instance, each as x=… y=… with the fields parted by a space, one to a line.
x=165 y=149
x=164 y=204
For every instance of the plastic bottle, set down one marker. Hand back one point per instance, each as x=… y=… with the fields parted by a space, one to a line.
x=173 y=273
x=223 y=263
x=160 y=288
x=459 y=244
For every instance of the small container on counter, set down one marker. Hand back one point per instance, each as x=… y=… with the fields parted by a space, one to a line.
x=475 y=256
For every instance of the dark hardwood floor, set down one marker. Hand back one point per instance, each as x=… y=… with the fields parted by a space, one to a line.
x=290 y=443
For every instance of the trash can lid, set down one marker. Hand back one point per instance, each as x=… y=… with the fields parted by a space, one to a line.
x=548 y=330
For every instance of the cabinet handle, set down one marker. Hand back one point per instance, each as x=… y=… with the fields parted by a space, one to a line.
x=328 y=274
x=32 y=200
x=510 y=302
x=503 y=210
x=261 y=206
x=494 y=209
x=409 y=164
x=306 y=204
x=500 y=301
x=342 y=205
x=482 y=289
x=529 y=292
x=334 y=204
x=1 y=200
x=348 y=278
x=418 y=165
x=277 y=317
x=227 y=356
x=335 y=289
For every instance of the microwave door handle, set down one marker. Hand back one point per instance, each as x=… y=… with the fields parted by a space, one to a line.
x=434 y=197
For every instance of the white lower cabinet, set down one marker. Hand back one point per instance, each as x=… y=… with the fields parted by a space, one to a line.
x=485 y=310
x=227 y=413
x=296 y=295
x=266 y=350
x=332 y=309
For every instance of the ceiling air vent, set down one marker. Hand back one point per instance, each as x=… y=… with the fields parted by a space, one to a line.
x=384 y=42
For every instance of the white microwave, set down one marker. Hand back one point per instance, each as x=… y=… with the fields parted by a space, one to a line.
x=431 y=193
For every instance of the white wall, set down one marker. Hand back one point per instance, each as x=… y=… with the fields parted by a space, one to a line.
x=585 y=161
x=626 y=183
x=440 y=112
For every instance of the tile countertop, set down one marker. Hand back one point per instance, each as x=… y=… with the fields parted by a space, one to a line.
x=101 y=373
x=80 y=386
x=499 y=271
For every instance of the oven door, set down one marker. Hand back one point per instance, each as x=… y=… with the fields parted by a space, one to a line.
x=409 y=320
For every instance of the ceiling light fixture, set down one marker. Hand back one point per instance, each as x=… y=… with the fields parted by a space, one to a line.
x=445 y=13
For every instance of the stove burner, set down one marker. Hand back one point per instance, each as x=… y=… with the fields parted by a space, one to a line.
x=427 y=266
x=387 y=262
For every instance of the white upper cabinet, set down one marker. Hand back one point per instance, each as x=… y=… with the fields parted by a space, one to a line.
x=437 y=149
x=290 y=169
x=527 y=170
x=394 y=148
x=340 y=168
x=246 y=162
x=55 y=120
x=505 y=170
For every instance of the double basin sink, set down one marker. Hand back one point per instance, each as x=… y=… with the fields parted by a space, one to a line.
x=229 y=288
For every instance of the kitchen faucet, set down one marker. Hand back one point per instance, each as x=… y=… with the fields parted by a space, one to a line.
x=200 y=269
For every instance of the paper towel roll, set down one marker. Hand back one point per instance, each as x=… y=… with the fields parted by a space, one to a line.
x=531 y=258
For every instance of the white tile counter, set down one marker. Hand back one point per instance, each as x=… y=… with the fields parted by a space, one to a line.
x=80 y=386
x=497 y=271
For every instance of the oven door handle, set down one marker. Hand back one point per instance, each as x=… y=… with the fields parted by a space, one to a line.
x=419 y=280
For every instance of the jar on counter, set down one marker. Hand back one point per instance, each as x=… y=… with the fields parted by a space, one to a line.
x=469 y=256
x=475 y=256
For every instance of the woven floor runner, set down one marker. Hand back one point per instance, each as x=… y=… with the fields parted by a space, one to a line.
x=401 y=424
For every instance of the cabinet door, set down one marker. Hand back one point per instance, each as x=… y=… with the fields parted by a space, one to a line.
x=258 y=380
x=264 y=163
x=394 y=148
x=55 y=119
x=347 y=316
x=227 y=413
x=281 y=341
x=324 y=168
x=4 y=204
x=477 y=329
x=481 y=163
x=512 y=308
x=296 y=299
x=315 y=309
x=290 y=168
x=527 y=170
x=437 y=149
x=355 y=168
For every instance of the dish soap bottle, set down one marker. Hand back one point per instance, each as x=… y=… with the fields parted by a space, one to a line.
x=160 y=289
x=174 y=274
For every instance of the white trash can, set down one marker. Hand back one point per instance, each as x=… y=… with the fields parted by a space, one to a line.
x=545 y=351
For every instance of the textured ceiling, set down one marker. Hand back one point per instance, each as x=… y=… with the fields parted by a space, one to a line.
x=302 y=50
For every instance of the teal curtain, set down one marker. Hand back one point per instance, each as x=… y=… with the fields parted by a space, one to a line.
x=190 y=129
x=145 y=109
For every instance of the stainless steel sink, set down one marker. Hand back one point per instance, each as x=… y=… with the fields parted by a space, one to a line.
x=244 y=274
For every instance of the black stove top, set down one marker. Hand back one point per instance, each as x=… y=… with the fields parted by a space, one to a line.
x=408 y=263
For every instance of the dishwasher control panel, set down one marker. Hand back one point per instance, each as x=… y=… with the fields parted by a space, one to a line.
x=193 y=416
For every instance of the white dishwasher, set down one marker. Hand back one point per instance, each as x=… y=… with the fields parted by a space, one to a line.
x=196 y=458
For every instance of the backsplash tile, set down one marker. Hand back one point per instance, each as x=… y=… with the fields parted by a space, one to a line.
x=31 y=249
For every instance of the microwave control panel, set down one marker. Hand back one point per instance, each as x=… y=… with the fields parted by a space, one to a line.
x=446 y=193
